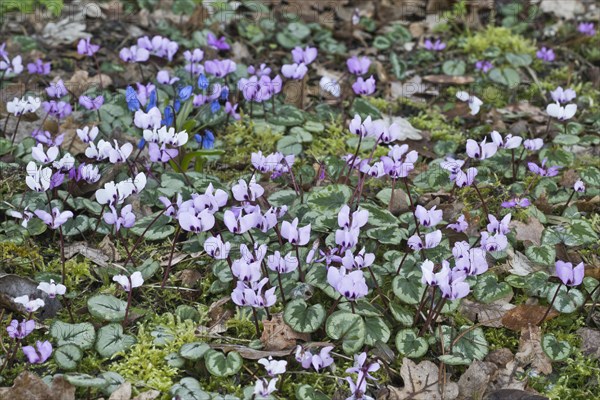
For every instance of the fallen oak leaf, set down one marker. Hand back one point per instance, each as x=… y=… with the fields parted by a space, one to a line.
x=486 y=314
x=531 y=352
x=277 y=335
x=524 y=315
x=421 y=383
x=29 y=386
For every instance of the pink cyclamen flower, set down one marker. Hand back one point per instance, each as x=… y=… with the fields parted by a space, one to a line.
x=55 y=219
x=263 y=388
x=569 y=275
x=533 y=144
x=460 y=225
x=220 y=68
x=438 y=45
x=428 y=218
x=317 y=361
x=134 y=54
x=294 y=71
x=30 y=305
x=364 y=87
x=587 y=28
x=296 y=236
x=358 y=65
x=352 y=285
x=501 y=226
x=273 y=367
x=561 y=113
x=545 y=54
x=432 y=240
x=481 y=151
x=217 y=44
x=38 y=354
x=19 y=330
x=86 y=48
x=57 y=90
x=454 y=286
x=561 y=95
x=541 y=170
x=126 y=219
x=579 y=186
x=516 y=202
x=304 y=56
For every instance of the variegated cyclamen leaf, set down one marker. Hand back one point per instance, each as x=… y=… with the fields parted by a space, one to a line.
x=567 y=300
x=408 y=289
x=107 y=307
x=307 y=392
x=347 y=327
x=67 y=356
x=111 y=340
x=189 y=389
x=85 y=380
x=304 y=318
x=470 y=343
x=194 y=351
x=402 y=314
x=377 y=331
x=410 y=344
x=488 y=289
x=220 y=365
x=82 y=335
x=557 y=350
x=544 y=255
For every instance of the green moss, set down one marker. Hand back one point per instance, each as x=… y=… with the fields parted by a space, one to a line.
x=145 y=361
x=241 y=139
x=499 y=338
x=26 y=259
x=331 y=142
x=436 y=123
x=500 y=38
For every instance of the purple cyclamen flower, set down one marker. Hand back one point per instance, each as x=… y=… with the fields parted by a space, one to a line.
x=457 y=175
x=365 y=88
x=569 y=275
x=561 y=95
x=352 y=285
x=579 y=186
x=454 y=286
x=215 y=247
x=246 y=272
x=533 y=144
x=38 y=354
x=587 y=28
x=561 y=113
x=19 y=330
x=359 y=261
x=126 y=219
x=58 y=109
x=356 y=220
x=361 y=128
x=38 y=67
x=129 y=282
x=263 y=388
x=296 y=236
x=262 y=71
x=134 y=54
x=217 y=44
x=52 y=289
x=541 y=170
x=361 y=366
x=545 y=54
x=470 y=260
x=428 y=218
x=497 y=242
x=460 y=225
x=163 y=77
x=317 y=361
x=253 y=296
x=220 y=68
x=496 y=226
x=358 y=65
x=231 y=110
x=54 y=219
x=438 y=45
x=294 y=71
x=196 y=222
x=429 y=277
x=57 y=90
x=484 y=66
x=432 y=240
x=304 y=56
x=86 y=48
x=516 y=202
x=243 y=191
x=280 y=264
x=238 y=223
x=91 y=104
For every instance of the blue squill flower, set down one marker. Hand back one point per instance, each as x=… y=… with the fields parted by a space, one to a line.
x=214 y=106
x=208 y=141
x=141 y=144
x=202 y=82
x=169 y=116
x=151 y=101
x=131 y=97
x=185 y=93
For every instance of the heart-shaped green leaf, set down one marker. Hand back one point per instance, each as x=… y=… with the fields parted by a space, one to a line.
x=220 y=365
x=304 y=318
x=67 y=356
x=488 y=289
x=557 y=350
x=347 y=327
x=107 y=307
x=82 y=335
x=410 y=344
x=408 y=289
x=111 y=340
x=194 y=351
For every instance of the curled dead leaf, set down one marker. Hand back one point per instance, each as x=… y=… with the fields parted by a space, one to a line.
x=28 y=386
x=525 y=315
x=277 y=335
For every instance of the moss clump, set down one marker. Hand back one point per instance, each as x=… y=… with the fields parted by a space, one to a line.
x=331 y=142
x=25 y=257
x=145 y=361
x=436 y=123
x=500 y=38
x=242 y=139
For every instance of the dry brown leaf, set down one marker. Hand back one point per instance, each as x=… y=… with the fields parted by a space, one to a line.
x=590 y=342
x=148 y=395
x=486 y=314
x=422 y=383
x=449 y=79
x=475 y=381
x=531 y=352
x=513 y=394
x=109 y=248
x=81 y=81
x=524 y=315
x=97 y=256
x=123 y=392
x=189 y=277
x=530 y=231
x=28 y=386
x=277 y=335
